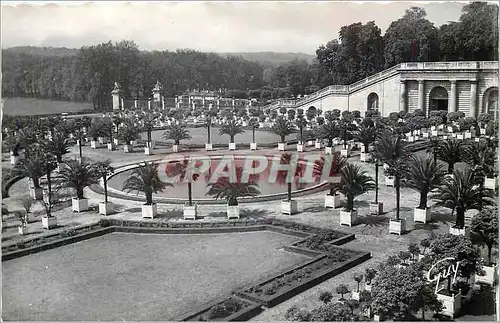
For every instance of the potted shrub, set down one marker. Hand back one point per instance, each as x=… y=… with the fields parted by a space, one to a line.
x=329 y=131
x=485 y=224
x=181 y=171
x=332 y=198
x=289 y=206
x=58 y=146
x=369 y=275
x=128 y=133
x=208 y=125
x=358 y=278
x=31 y=166
x=301 y=123
x=353 y=182
x=104 y=170
x=366 y=134
x=342 y=289
x=96 y=131
x=376 y=207
x=176 y=132
x=23 y=219
x=347 y=127
x=423 y=175
x=230 y=191
x=254 y=123
x=282 y=128
x=450 y=152
x=145 y=179
x=107 y=128
x=148 y=124
x=231 y=128
x=460 y=193
x=78 y=174
x=393 y=152
x=15 y=147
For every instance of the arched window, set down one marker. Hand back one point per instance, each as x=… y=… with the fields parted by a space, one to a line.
x=372 y=102
x=438 y=99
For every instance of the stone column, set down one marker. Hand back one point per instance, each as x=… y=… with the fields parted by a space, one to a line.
x=453 y=97
x=473 y=98
x=123 y=105
x=135 y=103
x=402 y=97
x=149 y=104
x=421 y=103
x=163 y=103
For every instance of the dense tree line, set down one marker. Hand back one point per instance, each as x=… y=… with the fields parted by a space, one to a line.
x=361 y=51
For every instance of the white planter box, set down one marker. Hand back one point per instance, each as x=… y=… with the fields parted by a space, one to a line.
x=425 y=135
x=368 y=287
x=434 y=133
x=328 y=150
x=460 y=136
x=397 y=227
x=14 y=159
x=289 y=207
x=22 y=230
x=232 y=146
x=151 y=144
x=491 y=183
x=111 y=146
x=149 y=211
x=468 y=135
x=102 y=140
x=365 y=157
x=482 y=131
x=336 y=141
x=93 y=144
x=128 y=148
x=36 y=193
x=348 y=217
x=377 y=318
x=233 y=211
x=451 y=304
x=281 y=146
x=433 y=127
x=376 y=208
x=317 y=145
x=253 y=146
x=79 y=205
x=190 y=212
x=422 y=216
x=490 y=275
x=459 y=232
x=453 y=135
x=148 y=151
x=300 y=148
x=417 y=138
x=175 y=148
x=208 y=147
x=389 y=181
x=332 y=201
x=310 y=143
x=355 y=295
x=106 y=208
x=133 y=142
x=411 y=139
x=116 y=141
x=49 y=223
x=476 y=139
x=345 y=152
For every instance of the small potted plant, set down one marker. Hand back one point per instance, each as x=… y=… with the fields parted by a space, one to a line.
x=358 y=278
x=369 y=275
x=342 y=289
x=282 y=128
x=128 y=134
x=376 y=207
x=336 y=163
x=181 y=171
x=485 y=224
x=78 y=174
x=254 y=124
x=23 y=219
x=104 y=170
x=176 y=132
x=231 y=128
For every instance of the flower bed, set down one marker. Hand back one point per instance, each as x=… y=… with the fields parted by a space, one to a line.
x=229 y=309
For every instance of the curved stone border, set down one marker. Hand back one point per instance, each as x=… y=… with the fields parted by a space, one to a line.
x=169 y=200
x=6 y=187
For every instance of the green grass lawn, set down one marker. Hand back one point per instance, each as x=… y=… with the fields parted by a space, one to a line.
x=28 y=107
x=138 y=276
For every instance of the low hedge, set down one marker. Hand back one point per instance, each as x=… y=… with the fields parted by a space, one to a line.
x=224 y=309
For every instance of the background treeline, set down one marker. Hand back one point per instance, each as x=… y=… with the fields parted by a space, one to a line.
x=88 y=74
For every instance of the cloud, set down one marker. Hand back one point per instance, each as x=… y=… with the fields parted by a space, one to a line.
x=221 y=27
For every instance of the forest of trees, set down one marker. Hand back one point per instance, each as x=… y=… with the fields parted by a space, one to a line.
x=88 y=74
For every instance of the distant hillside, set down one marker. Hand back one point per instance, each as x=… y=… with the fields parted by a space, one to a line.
x=43 y=51
x=271 y=59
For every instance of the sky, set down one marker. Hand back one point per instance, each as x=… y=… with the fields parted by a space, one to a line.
x=204 y=26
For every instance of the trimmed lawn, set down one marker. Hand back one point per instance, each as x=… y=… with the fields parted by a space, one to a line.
x=137 y=277
x=28 y=107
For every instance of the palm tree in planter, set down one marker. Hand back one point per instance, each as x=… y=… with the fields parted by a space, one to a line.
x=366 y=134
x=230 y=191
x=96 y=132
x=49 y=165
x=32 y=166
x=58 y=146
x=283 y=128
x=433 y=147
x=78 y=174
x=460 y=193
x=353 y=182
x=128 y=133
x=358 y=278
x=301 y=124
x=329 y=131
x=176 y=132
x=231 y=128
x=180 y=169
x=485 y=224
x=334 y=168
x=481 y=157
x=289 y=206
x=392 y=151
x=347 y=128
x=208 y=125
x=117 y=120
x=423 y=175
x=103 y=170
x=15 y=147
x=254 y=123
x=145 y=179
x=449 y=151
x=148 y=124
